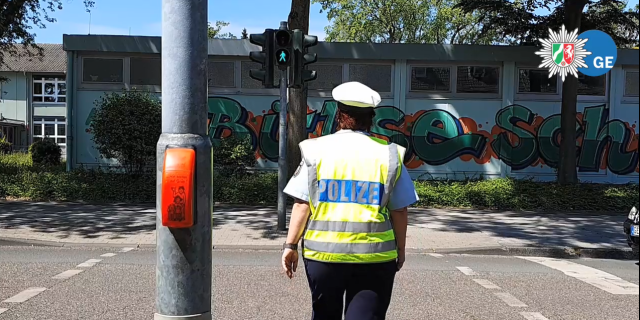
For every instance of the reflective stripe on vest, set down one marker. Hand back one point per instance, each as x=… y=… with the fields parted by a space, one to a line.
x=351 y=177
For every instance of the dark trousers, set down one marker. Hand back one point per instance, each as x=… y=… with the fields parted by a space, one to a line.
x=368 y=289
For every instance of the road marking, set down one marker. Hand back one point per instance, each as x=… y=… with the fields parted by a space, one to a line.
x=436 y=255
x=594 y=277
x=67 y=274
x=108 y=255
x=533 y=316
x=487 y=284
x=510 y=300
x=25 y=295
x=125 y=250
x=3 y=310
x=89 y=263
x=468 y=271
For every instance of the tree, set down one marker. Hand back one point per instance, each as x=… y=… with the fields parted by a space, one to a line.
x=245 y=34
x=297 y=128
x=126 y=127
x=15 y=19
x=524 y=22
x=402 y=21
x=215 y=32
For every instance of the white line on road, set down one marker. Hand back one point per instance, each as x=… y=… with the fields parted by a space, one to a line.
x=510 y=300
x=533 y=316
x=3 y=310
x=594 y=277
x=487 y=284
x=25 y=295
x=108 y=255
x=125 y=250
x=67 y=274
x=89 y=263
x=468 y=271
x=436 y=255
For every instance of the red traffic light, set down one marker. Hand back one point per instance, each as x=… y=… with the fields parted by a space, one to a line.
x=283 y=38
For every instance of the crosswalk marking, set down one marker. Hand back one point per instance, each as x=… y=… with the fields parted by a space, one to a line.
x=487 y=284
x=510 y=300
x=25 y=295
x=3 y=310
x=436 y=255
x=468 y=271
x=533 y=316
x=89 y=263
x=67 y=274
x=594 y=277
x=125 y=250
x=108 y=255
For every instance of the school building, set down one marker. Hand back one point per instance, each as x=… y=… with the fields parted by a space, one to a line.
x=462 y=111
x=33 y=102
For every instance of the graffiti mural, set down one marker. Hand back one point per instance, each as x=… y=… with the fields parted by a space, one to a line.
x=520 y=138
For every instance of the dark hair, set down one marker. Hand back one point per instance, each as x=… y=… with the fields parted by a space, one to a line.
x=357 y=119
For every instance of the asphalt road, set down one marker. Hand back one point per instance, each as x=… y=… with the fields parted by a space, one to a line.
x=35 y=284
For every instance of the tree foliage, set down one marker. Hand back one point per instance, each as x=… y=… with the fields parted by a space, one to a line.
x=18 y=19
x=215 y=32
x=245 y=34
x=45 y=152
x=525 y=22
x=402 y=21
x=126 y=127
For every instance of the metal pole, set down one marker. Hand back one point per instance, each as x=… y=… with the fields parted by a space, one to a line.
x=183 y=268
x=282 y=147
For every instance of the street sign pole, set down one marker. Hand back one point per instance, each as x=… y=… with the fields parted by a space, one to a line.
x=183 y=267
x=282 y=145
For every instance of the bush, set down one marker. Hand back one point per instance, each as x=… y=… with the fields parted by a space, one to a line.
x=233 y=155
x=126 y=127
x=45 y=152
x=5 y=146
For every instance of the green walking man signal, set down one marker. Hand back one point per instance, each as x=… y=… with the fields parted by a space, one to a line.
x=286 y=50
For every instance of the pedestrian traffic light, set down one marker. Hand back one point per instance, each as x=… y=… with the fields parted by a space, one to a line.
x=298 y=74
x=264 y=57
x=283 y=48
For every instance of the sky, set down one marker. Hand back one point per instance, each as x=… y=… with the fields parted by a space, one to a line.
x=144 y=17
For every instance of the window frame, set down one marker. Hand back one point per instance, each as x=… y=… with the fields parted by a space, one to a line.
x=346 y=73
x=9 y=138
x=536 y=96
x=43 y=121
x=475 y=95
x=102 y=86
x=148 y=87
x=237 y=71
x=326 y=93
x=42 y=82
x=453 y=93
x=625 y=97
x=598 y=99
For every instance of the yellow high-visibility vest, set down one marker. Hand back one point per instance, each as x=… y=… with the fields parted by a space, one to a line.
x=351 y=177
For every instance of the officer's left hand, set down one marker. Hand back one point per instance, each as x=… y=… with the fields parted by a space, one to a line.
x=290 y=262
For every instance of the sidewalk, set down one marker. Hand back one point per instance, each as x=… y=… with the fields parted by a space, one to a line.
x=430 y=230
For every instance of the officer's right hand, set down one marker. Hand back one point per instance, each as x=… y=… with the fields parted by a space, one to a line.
x=290 y=262
x=401 y=259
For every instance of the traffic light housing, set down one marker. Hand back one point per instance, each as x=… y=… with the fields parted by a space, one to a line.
x=264 y=57
x=298 y=74
x=283 y=47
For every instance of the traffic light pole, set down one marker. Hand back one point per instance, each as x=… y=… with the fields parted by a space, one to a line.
x=183 y=268
x=282 y=148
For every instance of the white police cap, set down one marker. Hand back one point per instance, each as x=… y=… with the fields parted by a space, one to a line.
x=356 y=94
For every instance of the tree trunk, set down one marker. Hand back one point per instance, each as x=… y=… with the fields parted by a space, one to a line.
x=567 y=168
x=297 y=128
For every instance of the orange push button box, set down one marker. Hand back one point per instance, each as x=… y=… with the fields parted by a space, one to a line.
x=178 y=177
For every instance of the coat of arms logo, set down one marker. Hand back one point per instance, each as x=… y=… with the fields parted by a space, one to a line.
x=563 y=53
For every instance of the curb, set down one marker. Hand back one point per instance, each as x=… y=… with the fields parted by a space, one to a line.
x=547 y=252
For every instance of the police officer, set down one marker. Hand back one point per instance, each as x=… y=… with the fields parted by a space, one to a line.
x=351 y=196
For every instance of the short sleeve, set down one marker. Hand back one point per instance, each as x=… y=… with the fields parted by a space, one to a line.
x=404 y=194
x=298 y=186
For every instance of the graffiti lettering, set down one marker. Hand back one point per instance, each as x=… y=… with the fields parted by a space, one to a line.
x=520 y=138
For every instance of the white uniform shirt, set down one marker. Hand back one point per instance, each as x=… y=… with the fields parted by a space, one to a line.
x=403 y=195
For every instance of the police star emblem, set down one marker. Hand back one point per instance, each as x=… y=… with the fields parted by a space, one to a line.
x=563 y=53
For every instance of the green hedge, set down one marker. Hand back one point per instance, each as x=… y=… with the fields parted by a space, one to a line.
x=19 y=178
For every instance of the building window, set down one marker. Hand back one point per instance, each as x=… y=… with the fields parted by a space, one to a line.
x=534 y=81
x=146 y=71
x=329 y=76
x=8 y=133
x=50 y=128
x=247 y=82
x=49 y=89
x=473 y=79
x=103 y=70
x=376 y=76
x=592 y=86
x=631 y=84
x=431 y=79
x=221 y=74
